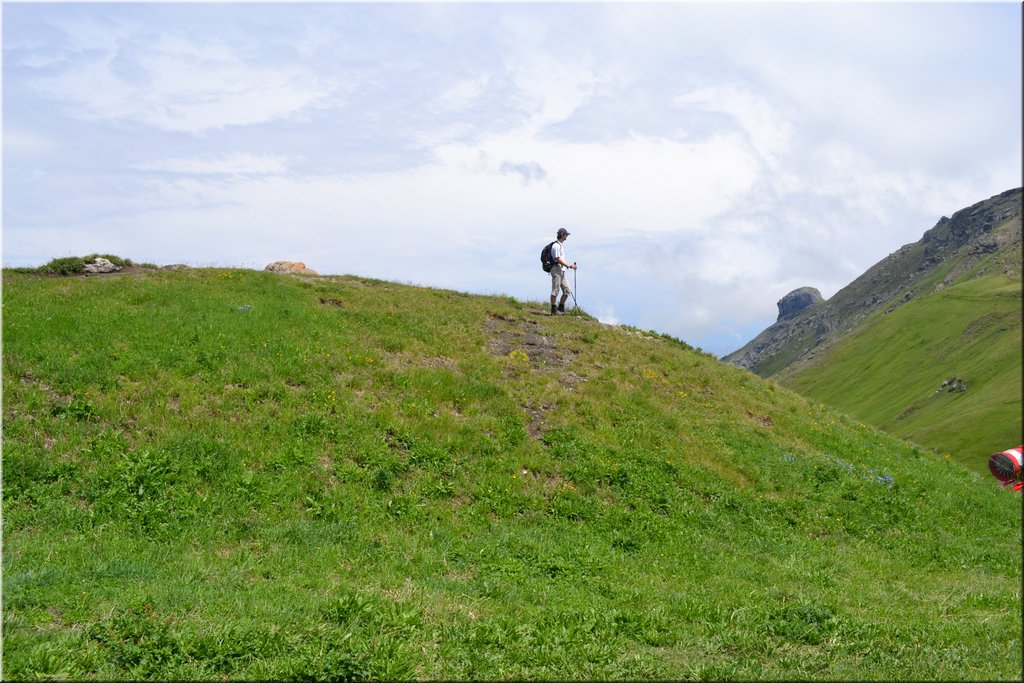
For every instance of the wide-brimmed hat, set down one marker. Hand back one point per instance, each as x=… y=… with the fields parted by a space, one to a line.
x=563 y=231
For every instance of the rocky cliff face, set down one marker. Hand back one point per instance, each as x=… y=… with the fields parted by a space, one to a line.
x=798 y=301
x=983 y=236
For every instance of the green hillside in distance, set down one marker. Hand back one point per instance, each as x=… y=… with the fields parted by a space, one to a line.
x=946 y=308
x=218 y=474
x=896 y=372
x=982 y=239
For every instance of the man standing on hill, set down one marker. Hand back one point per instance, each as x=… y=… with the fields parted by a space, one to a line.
x=558 y=279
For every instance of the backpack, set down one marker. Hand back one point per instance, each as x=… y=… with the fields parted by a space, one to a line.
x=545 y=258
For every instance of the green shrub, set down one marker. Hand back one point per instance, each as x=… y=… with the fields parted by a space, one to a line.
x=68 y=265
x=74 y=265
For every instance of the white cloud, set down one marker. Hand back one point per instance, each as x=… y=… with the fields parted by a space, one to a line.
x=177 y=85
x=230 y=164
x=27 y=143
x=529 y=171
x=769 y=132
x=728 y=259
x=460 y=94
x=644 y=183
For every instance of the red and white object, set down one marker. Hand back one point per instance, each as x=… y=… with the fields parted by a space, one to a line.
x=1007 y=467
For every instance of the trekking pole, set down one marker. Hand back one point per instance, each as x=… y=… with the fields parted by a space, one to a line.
x=574 y=302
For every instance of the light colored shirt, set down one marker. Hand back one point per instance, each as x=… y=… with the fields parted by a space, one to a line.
x=557 y=252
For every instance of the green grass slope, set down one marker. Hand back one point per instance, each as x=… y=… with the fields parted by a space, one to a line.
x=890 y=373
x=214 y=474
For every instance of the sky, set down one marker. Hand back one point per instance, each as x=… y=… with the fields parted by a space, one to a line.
x=707 y=159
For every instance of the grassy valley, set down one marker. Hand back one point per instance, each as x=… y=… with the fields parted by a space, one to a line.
x=221 y=473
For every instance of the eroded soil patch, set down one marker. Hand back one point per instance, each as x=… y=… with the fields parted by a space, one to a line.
x=508 y=335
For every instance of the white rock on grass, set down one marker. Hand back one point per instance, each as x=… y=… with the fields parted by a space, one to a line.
x=101 y=265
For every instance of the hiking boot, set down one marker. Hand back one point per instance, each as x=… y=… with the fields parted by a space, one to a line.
x=561 y=308
x=553 y=309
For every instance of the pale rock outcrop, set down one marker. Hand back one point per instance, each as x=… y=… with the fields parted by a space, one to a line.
x=101 y=265
x=292 y=267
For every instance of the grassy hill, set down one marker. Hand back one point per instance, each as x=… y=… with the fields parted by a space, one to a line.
x=891 y=373
x=223 y=473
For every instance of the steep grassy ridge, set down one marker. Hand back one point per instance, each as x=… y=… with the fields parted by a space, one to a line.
x=225 y=473
x=890 y=373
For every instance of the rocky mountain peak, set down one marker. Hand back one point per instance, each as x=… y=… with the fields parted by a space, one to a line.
x=798 y=301
x=971 y=223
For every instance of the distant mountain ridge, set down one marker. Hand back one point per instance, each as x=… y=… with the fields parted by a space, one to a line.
x=981 y=239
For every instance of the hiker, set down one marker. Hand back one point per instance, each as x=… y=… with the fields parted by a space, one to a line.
x=558 y=279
